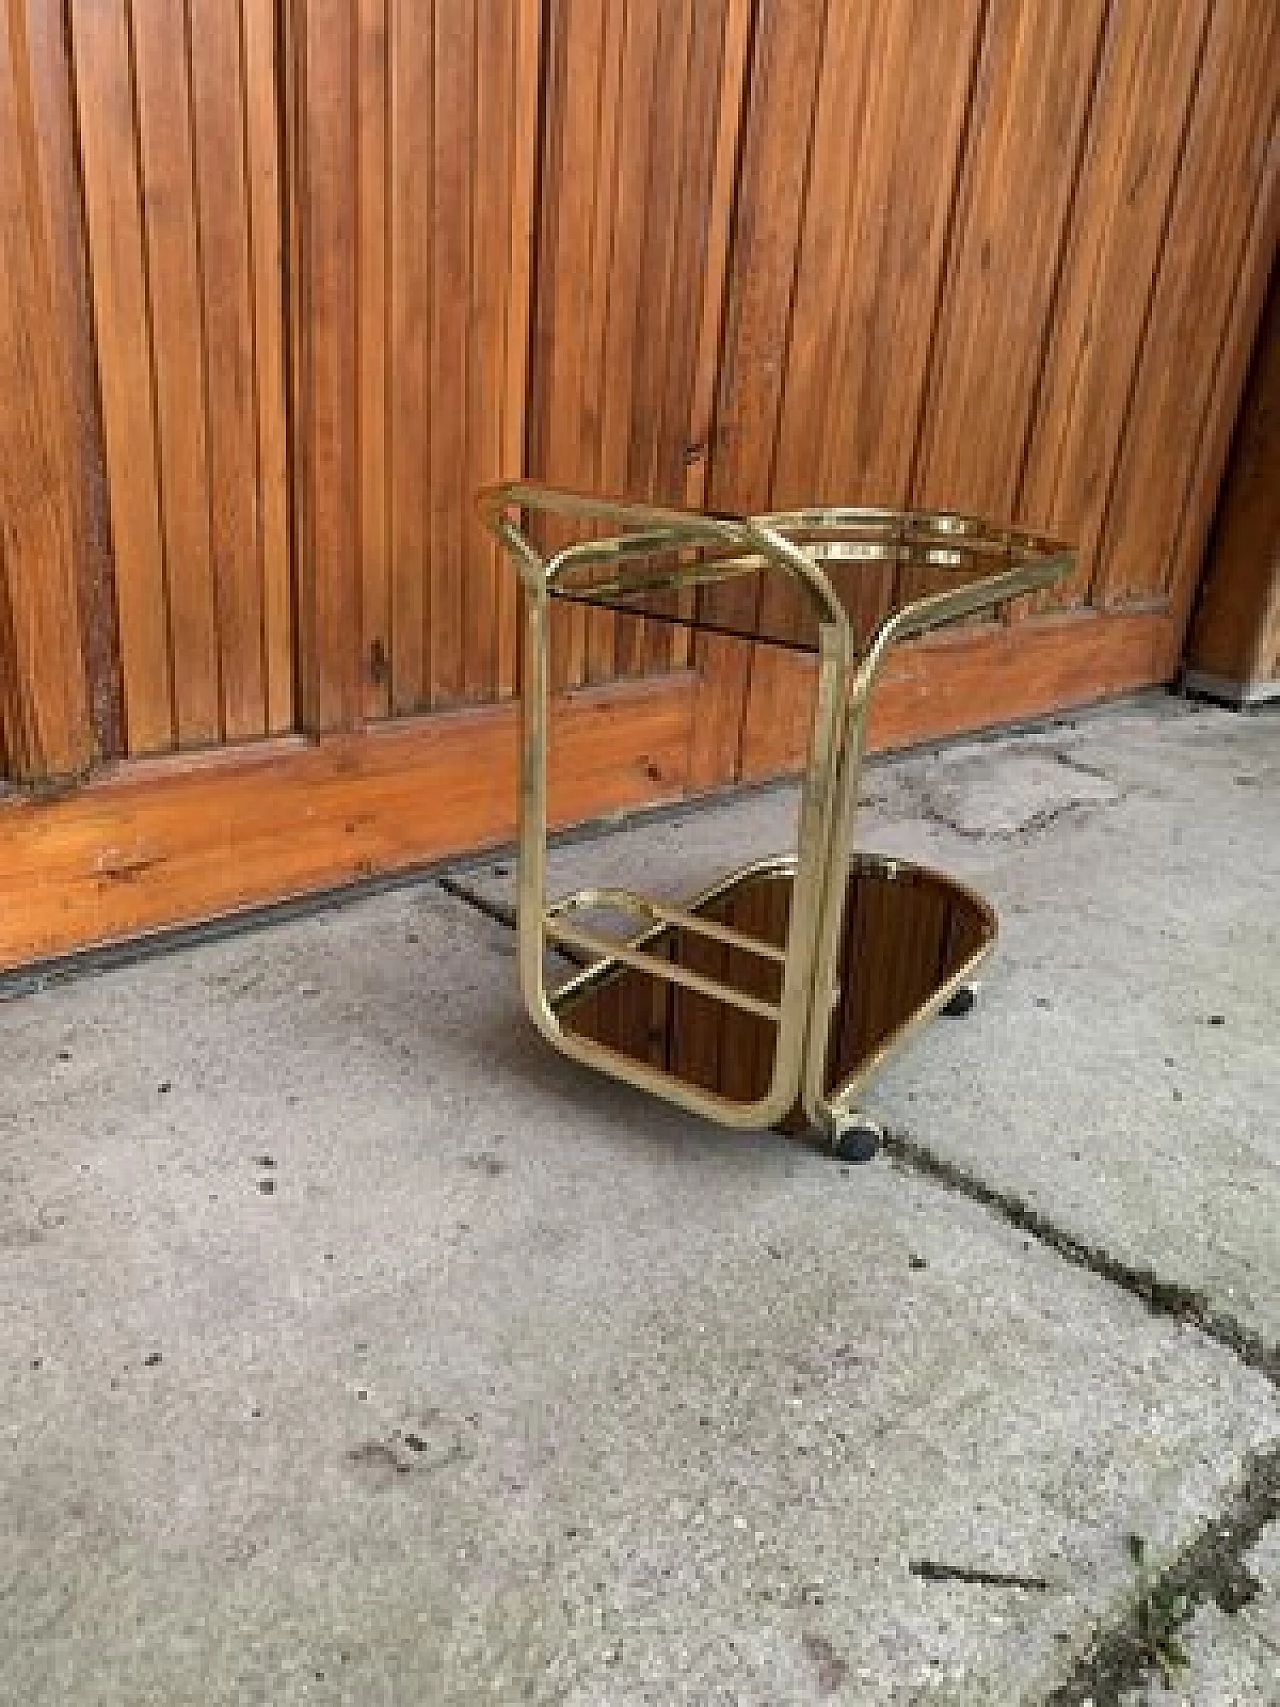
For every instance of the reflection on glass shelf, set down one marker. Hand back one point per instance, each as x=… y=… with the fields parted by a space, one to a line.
x=874 y=562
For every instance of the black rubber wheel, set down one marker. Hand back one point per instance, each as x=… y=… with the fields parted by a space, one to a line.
x=857 y=1143
x=961 y=1003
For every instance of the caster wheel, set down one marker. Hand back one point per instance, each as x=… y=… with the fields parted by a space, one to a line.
x=857 y=1143
x=961 y=1003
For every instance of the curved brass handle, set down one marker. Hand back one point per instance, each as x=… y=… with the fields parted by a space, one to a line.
x=884 y=536
x=652 y=528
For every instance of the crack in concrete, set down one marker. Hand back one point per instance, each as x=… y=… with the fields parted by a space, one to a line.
x=501 y=912
x=926 y=806
x=937 y=1571
x=1161 y=1297
x=1211 y=1567
x=1099 y=773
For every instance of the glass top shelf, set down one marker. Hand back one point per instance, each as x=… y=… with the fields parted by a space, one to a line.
x=777 y=578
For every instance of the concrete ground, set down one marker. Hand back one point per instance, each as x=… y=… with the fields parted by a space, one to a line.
x=357 y=1348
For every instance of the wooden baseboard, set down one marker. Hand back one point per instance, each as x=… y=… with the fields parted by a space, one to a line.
x=966 y=680
x=165 y=842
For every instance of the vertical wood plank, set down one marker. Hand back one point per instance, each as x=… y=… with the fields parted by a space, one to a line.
x=411 y=165
x=622 y=279
x=218 y=103
x=266 y=213
x=677 y=445
x=658 y=423
x=729 y=112
x=328 y=587
x=889 y=126
x=1146 y=87
x=563 y=304
x=603 y=379
x=730 y=109
x=667 y=165
x=47 y=732
x=1035 y=82
x=682 y=444
x=453 y=163
x=630 y=157
x=523 y=236
x=490 y=223
x=771 y=198
x=298 y=343
x=173 y=276
x=850 y=77
x=373 y=109
x=105 y=110
x=62 y=211
x=1145 y=553
x=711 y=80
x=903 y=183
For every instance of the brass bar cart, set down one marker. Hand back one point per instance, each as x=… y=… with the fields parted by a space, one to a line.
x=773 y=997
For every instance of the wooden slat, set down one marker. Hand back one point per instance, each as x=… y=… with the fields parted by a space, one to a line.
x=1035 y=80
x=47 y=732
x=563 y=301
x=903 y=182
x=610 y=379
x=771 y=197
x=328 y=589
x=374 y=358
x=527 y=29
x=631 y=125
x=890 y=120
x=266 y=211
x=850 y=75
x=62 y=208
x=621 y=200
x=661 y=402
x=298 y=344
x=1146 y=553
x=173 y=276
x=453 y=160
x=489 y=237
x=729 y=110
x=158 y=845
x=694 y=165
x=104 y=105
x=526 y=71
x=1146 y=87
x=218 y=107
x=411 y=88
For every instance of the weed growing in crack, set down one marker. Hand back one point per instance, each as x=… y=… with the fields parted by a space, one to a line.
x=1159 y=1614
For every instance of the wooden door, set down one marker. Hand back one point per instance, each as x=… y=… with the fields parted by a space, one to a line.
x=640 y=132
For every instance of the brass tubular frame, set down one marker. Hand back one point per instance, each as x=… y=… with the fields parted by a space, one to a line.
x=796 y=545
